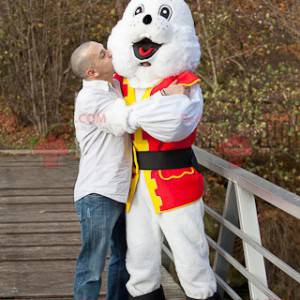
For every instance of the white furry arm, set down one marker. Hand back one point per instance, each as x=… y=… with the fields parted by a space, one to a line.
x=103 y=112
x=116 y=118
x=168 y=118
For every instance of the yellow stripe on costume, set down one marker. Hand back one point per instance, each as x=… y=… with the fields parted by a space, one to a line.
x=180 y=206
x=140 y=144
x=189 y=84
x=152 y=187
x=134 y=180
x=130 y=100
x=174 y=176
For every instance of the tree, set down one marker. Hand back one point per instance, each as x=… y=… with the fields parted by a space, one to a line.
x=36 y=42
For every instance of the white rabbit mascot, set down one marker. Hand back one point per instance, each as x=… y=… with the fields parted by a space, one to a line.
x=154 y=45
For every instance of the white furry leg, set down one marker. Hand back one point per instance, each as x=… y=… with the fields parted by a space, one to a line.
x=184 y=230
x=144 y=245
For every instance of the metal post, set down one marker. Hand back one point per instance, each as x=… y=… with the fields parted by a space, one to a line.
x=249 y=224
x=226 y=237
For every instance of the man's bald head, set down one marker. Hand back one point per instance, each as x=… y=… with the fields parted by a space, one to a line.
x=82 y=59
x=92 y=61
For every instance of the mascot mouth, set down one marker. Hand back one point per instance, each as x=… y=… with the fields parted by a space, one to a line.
x=145 y=49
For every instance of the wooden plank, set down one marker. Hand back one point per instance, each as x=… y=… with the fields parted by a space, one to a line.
x=46 y=199
x=35 y=193
x=37 y=208
x=39 y=253
x=33 y=158
x=31 y=228
x=172 y=290
x=38 y=161
x=35 y=217
x=44 y=278
x=48 y=165
x=31 y=193
x=37 y=177
x=49 y=239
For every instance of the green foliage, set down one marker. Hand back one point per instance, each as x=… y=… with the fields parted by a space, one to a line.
x=33 y=141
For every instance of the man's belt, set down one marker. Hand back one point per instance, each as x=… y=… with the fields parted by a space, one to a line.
x=167 y=160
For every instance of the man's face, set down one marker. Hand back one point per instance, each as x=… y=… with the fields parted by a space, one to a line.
x=102 y=61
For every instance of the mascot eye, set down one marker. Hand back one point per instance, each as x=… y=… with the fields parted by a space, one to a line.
x=166 y=12
x=139 y=10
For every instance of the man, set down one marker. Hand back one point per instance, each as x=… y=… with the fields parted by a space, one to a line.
x=101 y=120
x=103 y=181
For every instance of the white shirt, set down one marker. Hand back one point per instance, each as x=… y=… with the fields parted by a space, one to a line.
x=102 y=120
x=105 y=162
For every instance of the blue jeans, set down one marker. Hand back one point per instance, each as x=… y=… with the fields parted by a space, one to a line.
x=102 y=223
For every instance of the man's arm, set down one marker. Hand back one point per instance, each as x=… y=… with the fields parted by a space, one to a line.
x=167 y=118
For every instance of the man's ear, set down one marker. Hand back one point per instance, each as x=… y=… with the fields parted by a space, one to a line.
x=90 y=73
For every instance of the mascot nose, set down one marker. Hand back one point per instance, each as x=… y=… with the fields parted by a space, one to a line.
x=147 y=20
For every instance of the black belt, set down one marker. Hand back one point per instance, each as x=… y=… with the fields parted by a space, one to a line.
x=167 y=160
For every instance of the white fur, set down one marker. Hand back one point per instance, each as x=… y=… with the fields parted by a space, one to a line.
x=180 y=50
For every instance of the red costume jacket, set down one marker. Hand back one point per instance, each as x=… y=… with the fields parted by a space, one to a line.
x=169 y=189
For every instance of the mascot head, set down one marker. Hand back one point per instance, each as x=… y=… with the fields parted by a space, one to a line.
x=155 y=39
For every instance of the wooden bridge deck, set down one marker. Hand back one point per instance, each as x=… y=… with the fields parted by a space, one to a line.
x=39 y=231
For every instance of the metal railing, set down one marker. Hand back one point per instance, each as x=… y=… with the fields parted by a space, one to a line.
x=240 y=219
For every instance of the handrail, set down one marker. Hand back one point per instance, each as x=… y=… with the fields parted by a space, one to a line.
x=242 y=270
x=271 y=193
x=266 y=253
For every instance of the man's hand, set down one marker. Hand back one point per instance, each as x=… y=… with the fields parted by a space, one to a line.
x=174 y=89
